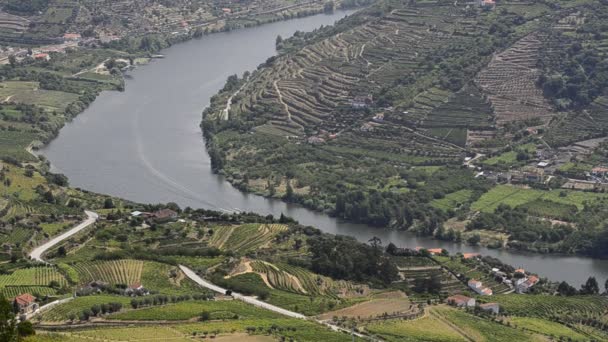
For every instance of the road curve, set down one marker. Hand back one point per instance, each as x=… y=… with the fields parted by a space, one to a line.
x=250 y=300
x=36 y=253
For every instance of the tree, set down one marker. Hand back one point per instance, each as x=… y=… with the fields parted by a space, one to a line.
x=12 y=60
x=279 y=40
x=8 y=324
x=205 y=316
x=25 y=329
x=566 y=289
x=590 y=287
x=329 y=7
x=289 y=191
x=474 y=239
x=108 y=204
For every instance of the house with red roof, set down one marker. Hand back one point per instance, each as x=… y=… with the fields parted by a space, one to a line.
x=25 y=304
x=42 y=57
x=527 y=284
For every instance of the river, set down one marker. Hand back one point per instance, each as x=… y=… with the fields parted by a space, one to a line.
x=145 y=144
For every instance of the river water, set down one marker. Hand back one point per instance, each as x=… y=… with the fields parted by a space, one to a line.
x=145 y=144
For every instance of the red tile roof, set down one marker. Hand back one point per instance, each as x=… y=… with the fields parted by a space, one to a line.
x=25 y=299
x=458 y=299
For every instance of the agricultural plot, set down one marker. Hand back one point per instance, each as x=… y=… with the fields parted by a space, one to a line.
x=509 y=158
x=14 y=143
x=453 y=200
x=16 y=235
x=30 y=93
x=114 y=272
x=544 y=306
x=34 y=276
x=36 y=291
x=515 y=196
x=63 y=312
x=427 y=328
x=466 y=108
x=265 y=330
x=479 y=329
x=385 y=303
x=21 y=188
x=246 y=237
x=548 y=328
x=218 y=310
x=510 y=83
x=301 y=281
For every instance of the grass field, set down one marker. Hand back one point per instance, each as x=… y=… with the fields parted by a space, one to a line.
x=222 y=309
x=427 y=328
x=545 y=306
x=479 y=329
x=14 y=143
x=290 y=329
x=515 y=196
x=545 y=327
x=451 y=201
x=21 y=186
x=30 y=93
x=509 y=158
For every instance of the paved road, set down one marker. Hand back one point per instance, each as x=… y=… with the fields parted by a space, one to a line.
x=37 y=253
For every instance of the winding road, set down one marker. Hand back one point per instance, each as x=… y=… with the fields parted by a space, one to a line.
x=36 y=253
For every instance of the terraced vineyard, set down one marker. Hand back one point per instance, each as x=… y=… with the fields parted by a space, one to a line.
x=305 y=89
x=298 y=280
x=510 y=82
x=246 y=237
x=113 y=272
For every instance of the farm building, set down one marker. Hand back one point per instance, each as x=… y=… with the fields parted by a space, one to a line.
x=470 y=255
x=164 y=214
x=526 y=284
x=461 y=301
x=71 y=37
x=490 y=307
x=136 y=289
x=25 y=303
x=42 y=57
x=362 y=101
x=477 y=286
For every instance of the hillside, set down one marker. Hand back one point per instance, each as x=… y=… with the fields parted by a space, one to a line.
x=391 y=115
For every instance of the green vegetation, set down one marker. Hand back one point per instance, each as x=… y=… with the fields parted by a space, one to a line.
x=218 y=310
x=427 y=328
x=74 y=308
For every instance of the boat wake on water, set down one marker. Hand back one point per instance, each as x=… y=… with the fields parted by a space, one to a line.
x=167 y=182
